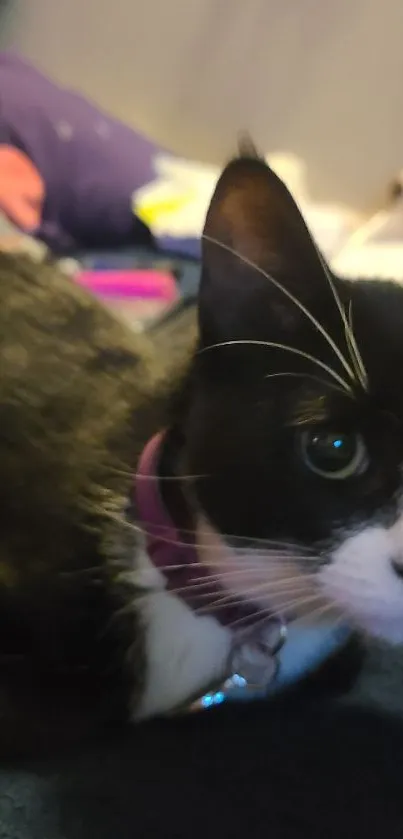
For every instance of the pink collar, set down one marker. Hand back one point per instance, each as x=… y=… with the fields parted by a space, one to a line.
x=175 y=555
x=171 y=551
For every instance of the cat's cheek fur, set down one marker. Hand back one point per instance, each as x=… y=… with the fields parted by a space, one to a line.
x=360 y=578
x=185 y=653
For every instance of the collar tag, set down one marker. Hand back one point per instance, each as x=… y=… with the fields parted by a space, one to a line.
x=252 y=667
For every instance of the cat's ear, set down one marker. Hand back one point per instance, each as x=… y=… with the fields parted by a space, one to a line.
x=255 y=243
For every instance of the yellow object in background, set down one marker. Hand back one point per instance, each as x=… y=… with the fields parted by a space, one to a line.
x=153 y=210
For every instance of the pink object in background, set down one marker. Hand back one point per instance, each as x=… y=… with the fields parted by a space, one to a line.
x=135 y=283
x=136 y=295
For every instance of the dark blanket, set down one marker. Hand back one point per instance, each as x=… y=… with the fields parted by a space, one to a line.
x=312 y=764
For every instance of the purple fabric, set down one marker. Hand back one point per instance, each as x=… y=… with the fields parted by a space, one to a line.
x=91 y=163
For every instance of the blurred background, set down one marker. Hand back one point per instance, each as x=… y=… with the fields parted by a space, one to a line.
x=321 y=79
x=317 y=85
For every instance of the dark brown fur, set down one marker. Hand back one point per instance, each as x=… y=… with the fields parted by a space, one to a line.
x=79 y=396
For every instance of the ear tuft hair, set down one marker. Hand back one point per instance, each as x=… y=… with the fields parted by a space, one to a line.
x=246 y=147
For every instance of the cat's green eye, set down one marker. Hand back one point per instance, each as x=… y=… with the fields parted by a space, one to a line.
x=334 y=455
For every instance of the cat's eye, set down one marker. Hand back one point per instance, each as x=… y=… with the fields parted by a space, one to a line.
x=334 y=455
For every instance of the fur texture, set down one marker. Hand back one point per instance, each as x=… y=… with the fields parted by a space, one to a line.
x=79 y=396
x=282 y=461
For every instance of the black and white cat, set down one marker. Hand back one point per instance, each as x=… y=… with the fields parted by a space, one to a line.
x=268 y=488
x=293 y=419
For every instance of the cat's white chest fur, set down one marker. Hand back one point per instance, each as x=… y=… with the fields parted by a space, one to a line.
x=185 y=652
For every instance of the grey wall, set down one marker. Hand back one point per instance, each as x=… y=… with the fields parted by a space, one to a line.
x=317 y=77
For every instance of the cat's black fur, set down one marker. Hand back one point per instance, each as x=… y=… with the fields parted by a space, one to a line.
x=242 y=427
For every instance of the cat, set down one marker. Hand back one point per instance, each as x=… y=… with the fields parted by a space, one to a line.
x=159 y=502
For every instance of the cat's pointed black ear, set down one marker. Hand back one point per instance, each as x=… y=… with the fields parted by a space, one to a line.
x=255 y=241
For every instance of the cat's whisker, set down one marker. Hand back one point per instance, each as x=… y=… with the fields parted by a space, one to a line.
x=296 y=602
x=272 y=568
x=325 y=609
x=293 y=551
x=355 y=346
x=352 y=351
x=221 y=605
x=214 y=585
x=250 y=592
x=268 y=612
x=222 y=602
x=249 y=565
x=199 y=565
x=267 y=584
x=290 y=296
x=275 y=345
x=300 y=375
x=248 y=542
x=355 y=354
x=235 y=552
x=133 y=476
x=243 y=598
x=272 y=585
x=210 y=580
x=222 y=572
x=207 y=587
x=159 y=478
x=261 y=615
x=245 y=543
x=285 y=607
x=274 y=549
x=270 y=544
x=248 y=562
x=198 y=592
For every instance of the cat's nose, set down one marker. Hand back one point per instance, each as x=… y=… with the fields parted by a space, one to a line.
x=397 y=565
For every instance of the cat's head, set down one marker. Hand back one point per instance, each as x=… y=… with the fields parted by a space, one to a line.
x=296 y=416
